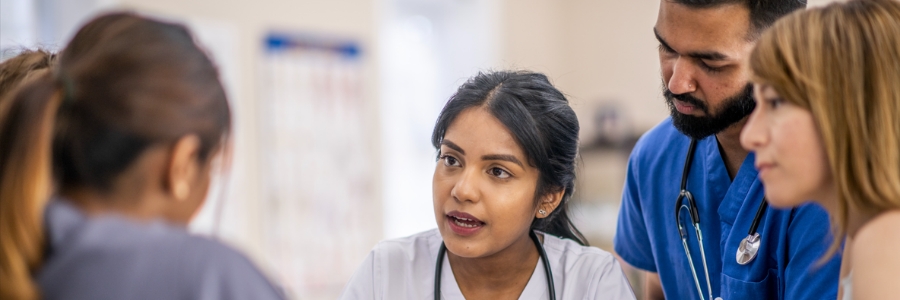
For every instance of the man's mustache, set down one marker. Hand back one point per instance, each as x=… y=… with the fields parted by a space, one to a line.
x=686 y=98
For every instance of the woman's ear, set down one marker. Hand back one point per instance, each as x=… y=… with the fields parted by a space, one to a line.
x=549 y=203
x=183 y=167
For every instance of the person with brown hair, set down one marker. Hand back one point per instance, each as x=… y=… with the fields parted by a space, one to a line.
x=126 y=129
x=693 y=219
x=826 y=129
x=25 y=66
x=22 y=67
x=16 y=71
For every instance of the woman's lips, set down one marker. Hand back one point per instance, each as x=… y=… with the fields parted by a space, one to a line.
x=463 y=224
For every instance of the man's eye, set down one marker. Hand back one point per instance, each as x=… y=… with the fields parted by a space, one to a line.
x=665 y=49
x=710 y=69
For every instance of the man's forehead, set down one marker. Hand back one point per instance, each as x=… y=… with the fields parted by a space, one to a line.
x=723 y=28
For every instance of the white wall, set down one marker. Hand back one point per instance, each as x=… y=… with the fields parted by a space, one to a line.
x=428 y=49
x=597 y=52
x=47 y=24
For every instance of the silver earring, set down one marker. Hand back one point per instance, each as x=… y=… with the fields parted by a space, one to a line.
x=542 y=212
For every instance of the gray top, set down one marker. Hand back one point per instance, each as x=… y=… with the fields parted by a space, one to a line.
x=111 y=257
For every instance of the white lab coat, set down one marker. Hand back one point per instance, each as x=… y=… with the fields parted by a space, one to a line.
x=404 y=269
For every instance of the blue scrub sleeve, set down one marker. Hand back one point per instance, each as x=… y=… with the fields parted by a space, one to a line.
x=809 y=237
x=632 y=241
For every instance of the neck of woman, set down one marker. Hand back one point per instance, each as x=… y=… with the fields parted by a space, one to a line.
x=856 y=217
x=502 y=275
x=134 y=202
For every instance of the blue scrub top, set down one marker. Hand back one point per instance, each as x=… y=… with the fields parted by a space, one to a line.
x=792 y=240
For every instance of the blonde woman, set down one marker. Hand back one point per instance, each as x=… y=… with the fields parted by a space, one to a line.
x=827 y=128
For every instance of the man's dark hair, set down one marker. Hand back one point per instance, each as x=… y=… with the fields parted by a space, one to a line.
x=762 y=12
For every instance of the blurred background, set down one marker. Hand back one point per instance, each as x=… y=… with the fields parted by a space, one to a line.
x=334 y=103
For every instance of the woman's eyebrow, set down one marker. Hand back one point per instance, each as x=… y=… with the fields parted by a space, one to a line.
x=503 y=157
x=453 y=146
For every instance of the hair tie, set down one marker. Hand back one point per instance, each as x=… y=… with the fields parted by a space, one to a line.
x=68 y=90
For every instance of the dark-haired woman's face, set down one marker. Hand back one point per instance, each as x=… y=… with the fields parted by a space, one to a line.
x=483 y=187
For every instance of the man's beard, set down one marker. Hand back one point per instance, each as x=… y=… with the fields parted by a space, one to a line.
x=733 y=109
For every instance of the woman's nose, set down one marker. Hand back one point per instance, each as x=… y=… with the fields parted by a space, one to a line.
x=754 y=135
x=466 y=188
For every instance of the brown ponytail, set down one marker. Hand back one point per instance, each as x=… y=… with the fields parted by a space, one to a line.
x=22 y=67
x=26 y=180
x=122 y=84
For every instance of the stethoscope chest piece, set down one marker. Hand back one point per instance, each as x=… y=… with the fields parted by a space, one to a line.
x=748 y=249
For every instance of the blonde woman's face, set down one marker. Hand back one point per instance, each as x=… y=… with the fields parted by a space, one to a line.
x=790 y=155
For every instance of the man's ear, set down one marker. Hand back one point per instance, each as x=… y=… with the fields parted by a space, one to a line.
x=549 y=203
x=183 y=167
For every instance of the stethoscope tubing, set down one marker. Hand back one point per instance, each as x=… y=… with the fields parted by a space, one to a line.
x=685 y=196
x=439 y=266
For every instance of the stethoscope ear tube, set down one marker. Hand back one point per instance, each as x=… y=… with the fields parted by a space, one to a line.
x=438 y=268
x=759 y=214
x=684 y=194
x=692 y=207
x=687 y=164
x=439 y=265
x=543 y=254
x=749 y=246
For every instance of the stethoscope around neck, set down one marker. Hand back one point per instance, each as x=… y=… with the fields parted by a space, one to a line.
x=439 y=266
x=747 y=250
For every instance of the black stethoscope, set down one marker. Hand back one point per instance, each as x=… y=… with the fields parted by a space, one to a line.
x=749 y=246
x=537 y=243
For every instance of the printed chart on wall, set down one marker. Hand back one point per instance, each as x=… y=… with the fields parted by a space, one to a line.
x=322 y=212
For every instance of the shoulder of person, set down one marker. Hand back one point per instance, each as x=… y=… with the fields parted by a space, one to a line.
x=159 y=238
x=410 y=247
x=206 y=269
x=223 y=272
x=879 y=238
x=874 y=260
x=571 y=255
x=593 y=271
x=658 y=139
x=409 y=259
x=212 y=253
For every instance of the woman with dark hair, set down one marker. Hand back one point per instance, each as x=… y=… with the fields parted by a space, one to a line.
x=507 y=143
x=105 y=160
